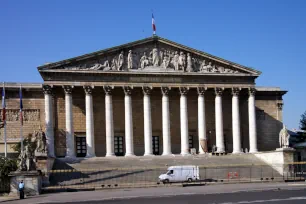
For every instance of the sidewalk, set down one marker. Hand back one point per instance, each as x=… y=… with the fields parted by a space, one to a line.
x=155 y=192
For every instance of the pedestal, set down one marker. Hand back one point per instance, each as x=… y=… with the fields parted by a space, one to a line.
x=44 y=164
x=32 y=182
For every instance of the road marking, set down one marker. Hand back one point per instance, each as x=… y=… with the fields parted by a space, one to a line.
x=264 y=201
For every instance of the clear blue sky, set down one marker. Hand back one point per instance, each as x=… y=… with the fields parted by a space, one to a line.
x=268 y=35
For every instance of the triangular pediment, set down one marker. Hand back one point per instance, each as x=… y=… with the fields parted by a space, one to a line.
x=152 y=54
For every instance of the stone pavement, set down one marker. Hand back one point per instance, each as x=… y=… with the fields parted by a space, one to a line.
x=156 y=192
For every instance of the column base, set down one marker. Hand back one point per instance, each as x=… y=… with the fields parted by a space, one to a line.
x=148 y=154
x=110 y=155
x=167 y=154
x=237 y=152
x=185 y=154
x=90 y=156
x=253 y=151
x=130 y=155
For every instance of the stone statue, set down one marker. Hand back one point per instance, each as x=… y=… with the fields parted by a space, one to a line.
x=29 y=159
x=41 y=142
x=175 y=61
x=182 y=61
x=130 y=60
x=189 y=63
x=114 y=64
x=214 y=69
x=155 y=57
x=284 y=138
x=166 y=62
x=120 y=61
x=22 y=166
x=144 y=61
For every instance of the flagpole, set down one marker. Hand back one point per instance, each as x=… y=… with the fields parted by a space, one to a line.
x=4 y=124
x=21 y=120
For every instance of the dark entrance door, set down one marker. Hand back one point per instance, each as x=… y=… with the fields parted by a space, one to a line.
x=118 y=145
x=155 y=145
x=81 y=146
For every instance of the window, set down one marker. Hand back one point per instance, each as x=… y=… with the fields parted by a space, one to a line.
x=81 y=147
x=118 y=145
x=190 y=141
x=155 y=145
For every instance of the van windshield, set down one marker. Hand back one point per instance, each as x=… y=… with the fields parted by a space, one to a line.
x=170 y=172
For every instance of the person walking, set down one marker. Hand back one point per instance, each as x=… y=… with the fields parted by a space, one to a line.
x=21 y=189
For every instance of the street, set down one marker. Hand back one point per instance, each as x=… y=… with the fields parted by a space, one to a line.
x=222 y=194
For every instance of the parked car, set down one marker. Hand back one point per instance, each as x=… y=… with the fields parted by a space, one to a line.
x=180 y=174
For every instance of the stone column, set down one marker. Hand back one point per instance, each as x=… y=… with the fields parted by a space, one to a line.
x=219 y=121
x=166 y=122
x=236 y=121
x=70 y=150
x=90 y=135
x=129 y=145
x=109 y=122
x=147 y=121
x=201 y=121
x=49 y=120
x=252 y=121
x=184 y=121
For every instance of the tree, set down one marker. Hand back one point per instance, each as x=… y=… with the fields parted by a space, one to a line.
x=303 y=121
x=6 y=166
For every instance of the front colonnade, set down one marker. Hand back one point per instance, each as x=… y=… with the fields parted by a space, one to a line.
x=166 y=133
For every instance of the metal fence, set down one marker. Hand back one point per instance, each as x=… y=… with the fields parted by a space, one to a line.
x=145 y=177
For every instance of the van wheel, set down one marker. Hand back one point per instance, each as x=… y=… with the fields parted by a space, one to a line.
x=189 y=180
x=166 y=181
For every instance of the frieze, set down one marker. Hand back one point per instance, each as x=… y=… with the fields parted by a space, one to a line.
x=13 y=115
x=153 y=58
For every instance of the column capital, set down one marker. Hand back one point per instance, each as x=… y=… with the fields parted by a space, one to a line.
x=108 y=90
x=47 y=89
x=219 y=91
x=147 y=90
x=165 y=90
x=127 y=90
x=201 y=90
x=88 y=89
x=68 y=89
x=184 y=90
x=235 y=91
x=252 y=91
x=280 y=106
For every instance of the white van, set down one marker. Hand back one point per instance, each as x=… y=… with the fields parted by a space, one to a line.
x=180 y=173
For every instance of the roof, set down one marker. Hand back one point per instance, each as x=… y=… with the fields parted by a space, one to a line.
x=142 y=41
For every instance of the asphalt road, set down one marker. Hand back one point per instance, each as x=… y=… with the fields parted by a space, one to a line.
x=273 y=197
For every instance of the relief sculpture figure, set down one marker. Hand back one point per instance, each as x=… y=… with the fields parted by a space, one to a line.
x=155 y=57
x=120 y=61
x=130 y=60
x=144 y=61
x=175 y=61
x=182 y=61
x=189 y=63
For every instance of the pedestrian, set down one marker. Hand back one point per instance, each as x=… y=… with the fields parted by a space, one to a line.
x=21 y=189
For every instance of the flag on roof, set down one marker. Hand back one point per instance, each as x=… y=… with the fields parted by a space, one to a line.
x=153 y=24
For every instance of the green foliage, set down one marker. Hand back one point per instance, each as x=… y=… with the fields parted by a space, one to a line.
x=6 y=166
x=303 y=121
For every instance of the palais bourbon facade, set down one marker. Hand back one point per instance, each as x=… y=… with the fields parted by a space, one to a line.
x=148 y=97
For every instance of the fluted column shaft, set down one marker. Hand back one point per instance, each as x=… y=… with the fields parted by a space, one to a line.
x=202 y=121
x=166 y=122
x=219 y=121
x=236 y=121
x=147 y=121
x=109 y=122
x=49 y=120
x=90 y=140
x=184 y=121
x=70 y=150
x=129 y=146
x=252 y=121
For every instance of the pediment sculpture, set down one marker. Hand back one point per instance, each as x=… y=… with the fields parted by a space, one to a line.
x=153 y=58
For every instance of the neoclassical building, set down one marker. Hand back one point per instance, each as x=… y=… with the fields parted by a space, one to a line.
x=148 y=97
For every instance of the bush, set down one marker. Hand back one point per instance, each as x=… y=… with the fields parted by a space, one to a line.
x=6 y=166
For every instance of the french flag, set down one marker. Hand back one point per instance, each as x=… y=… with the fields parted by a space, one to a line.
x=3 y=105
x=153 y=25
x=21 y=106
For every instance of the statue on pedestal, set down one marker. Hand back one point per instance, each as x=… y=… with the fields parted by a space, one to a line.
x=41 y=142
x=284 y=138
